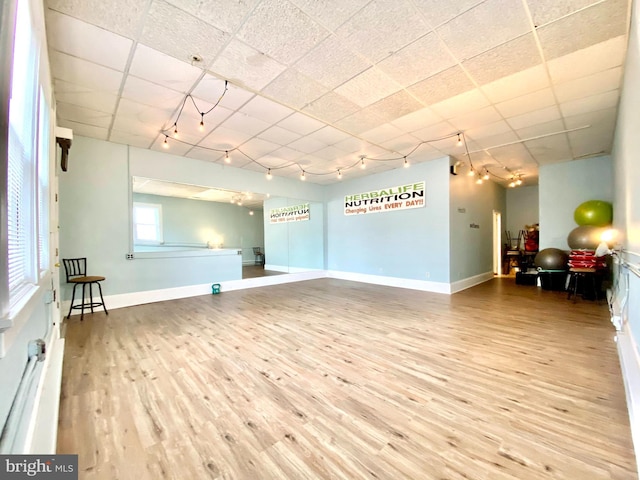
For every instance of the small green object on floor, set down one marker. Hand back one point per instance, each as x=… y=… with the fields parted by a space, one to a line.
x=215 y=288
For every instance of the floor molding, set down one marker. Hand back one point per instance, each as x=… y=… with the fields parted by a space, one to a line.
x=422 y=285
x=471 y=282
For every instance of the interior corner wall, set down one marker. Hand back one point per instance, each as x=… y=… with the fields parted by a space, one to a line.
x=522 y=208
x=408 y=244
x=471 y=220
x=564 y=186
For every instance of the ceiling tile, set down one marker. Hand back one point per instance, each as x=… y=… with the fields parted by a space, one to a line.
x=329 y=153
x=227 y=16
x=331 y=63
x=481 y=28
x=541 y=129
x=419 y=60
x=475 y=119
x=492 y=141
x=589 y=142
x=286 y=155
x=451 y=82
x=487 y=130
x=181 y=35
x=600 y=82
x=394 y=106
x=83 y=73
x=225 y=139
x=518 y=84
x=294 y=89
x=439 y=130
x=132 y=139
x=279 y=135
x=143 y=91
x=164 y=70
x=600 y=101
x=281 y=30
x=301 y=124
x=67 y=34
x=589 y=60
x=155 y=117
x=547 y=11
x=437 y=12
x=381 y=28
x=246 y=66
x=330 y=13
x=550 y=149
x=123 y=17
x=460 y=104
x=382 y=133
x=256 y=147
x=416 y=120
x=265 y=109
x=244 y=123
x=83 y=115
x=211 y=89
x=331 y=107
x=527 y=103
x=101 y=133
x=537 y=116
x=330 y=135
x=403 y=145
x=514 y=156
x=84 y=97
x=594 y=120
x=602 y=21
x=359 y=122
x=509 y=58
x=307 y=144
x=368 y=87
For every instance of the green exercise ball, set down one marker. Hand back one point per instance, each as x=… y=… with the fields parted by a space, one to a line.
x=585 y=237
x=551 y=259
x=597 y=213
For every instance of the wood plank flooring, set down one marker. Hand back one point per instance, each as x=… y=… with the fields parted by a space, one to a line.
x=330 y=379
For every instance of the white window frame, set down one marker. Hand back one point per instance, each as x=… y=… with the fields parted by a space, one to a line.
x=157 y=209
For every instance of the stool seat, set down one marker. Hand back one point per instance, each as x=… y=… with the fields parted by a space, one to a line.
x=86 y=279
x=76 y=271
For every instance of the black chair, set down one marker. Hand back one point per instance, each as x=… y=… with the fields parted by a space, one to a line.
x=76 y=271
x=259 y=260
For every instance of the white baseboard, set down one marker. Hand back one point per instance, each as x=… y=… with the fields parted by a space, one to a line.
x=436 y=287
x=471 y=282
x=272 y=280
x=276 y=268
x=630 y=366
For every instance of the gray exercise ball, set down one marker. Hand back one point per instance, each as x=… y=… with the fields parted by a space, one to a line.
x=585 y=237
x=551 y=259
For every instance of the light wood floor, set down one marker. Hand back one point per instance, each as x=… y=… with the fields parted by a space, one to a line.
x=334 y=379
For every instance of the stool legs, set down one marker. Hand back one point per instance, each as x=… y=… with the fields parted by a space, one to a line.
x=102 y=299
x=84 y=302
x=73 y=297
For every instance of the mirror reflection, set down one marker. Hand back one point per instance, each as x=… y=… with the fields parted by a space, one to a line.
x=175 y=219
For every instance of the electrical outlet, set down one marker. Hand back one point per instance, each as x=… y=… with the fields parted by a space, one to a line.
x=37 y=348
x=130 y=256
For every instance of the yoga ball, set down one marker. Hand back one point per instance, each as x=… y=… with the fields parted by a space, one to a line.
x=551 y=259
x=585 y=237
x=597 y=213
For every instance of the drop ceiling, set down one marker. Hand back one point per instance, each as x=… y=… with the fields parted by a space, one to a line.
x=318 y=85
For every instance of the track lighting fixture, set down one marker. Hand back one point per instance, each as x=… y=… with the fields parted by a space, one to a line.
x=486 y=174
x=479 y=180
x=472 y=172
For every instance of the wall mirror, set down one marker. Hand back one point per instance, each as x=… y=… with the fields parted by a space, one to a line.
x=177 y=217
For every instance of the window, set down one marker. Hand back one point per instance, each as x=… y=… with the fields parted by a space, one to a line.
x=27 y=240
x=147 y=223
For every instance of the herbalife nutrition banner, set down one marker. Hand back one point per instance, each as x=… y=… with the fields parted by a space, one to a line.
x=386 y=200
x=296 y=213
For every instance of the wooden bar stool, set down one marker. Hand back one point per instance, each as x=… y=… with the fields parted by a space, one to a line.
x=76 y=271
